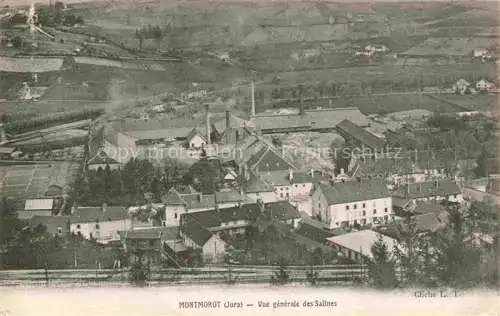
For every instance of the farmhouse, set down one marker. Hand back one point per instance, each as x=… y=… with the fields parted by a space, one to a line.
x=484 y=85
x=461 y=87
x=284 y=212
x=100 y=223
x=352 y=203
x=149 y=240
x=357 y=245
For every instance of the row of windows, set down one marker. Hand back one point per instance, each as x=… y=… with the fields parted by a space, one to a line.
x=287 y=188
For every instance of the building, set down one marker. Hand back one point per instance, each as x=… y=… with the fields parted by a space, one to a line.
x=255 y=188
x=196 y=140
x=102 y=160
x=6 y=152
x=484 y=85
x=149 y=241
x=177 y=203
x=319 y=120
x=284 y=212
x=54 y=225
x=480 y=52
x=438 y=190
x=357 y=245
x=352 y=203
x=376 y=48
x=37 y=207
x=358 y=136
x=461 y=87
x=196 y=236
x=100 y=223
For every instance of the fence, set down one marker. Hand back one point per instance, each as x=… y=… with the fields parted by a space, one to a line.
x=215 y=274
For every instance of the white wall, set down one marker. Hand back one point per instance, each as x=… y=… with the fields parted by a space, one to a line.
x=293 y=190
x=266 y=197
x=319 y=205
x=173 y=214
x=362 y=212
x=214 y=249
x=107 y=231
x=304 y=206
x=197 y=142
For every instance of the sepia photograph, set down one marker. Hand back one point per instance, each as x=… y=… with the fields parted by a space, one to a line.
x=179 y=157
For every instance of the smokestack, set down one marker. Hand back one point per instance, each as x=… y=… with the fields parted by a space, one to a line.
x=228 y=121
x=3 y=135
x=253 y=99
x=207 y=123
x=301 y=105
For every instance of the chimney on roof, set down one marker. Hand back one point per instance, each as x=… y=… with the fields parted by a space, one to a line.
x=228 y=121
x=253 y=99
x=301 y=105
x=207 y=123
x=104 y=207
x=3 y=135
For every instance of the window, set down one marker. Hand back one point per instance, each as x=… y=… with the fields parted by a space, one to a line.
x=355 y=206
x=374 y=211
x=303 y=185
x=385 y=210
x=364 y=205
x=364 y=213
x=59 y=230
x=97 y=226
x=109 y=219
x=78 y=226
x=347 y=207
x=296 y=186
x=281 y=195
x=454 y=196
x=175 y=215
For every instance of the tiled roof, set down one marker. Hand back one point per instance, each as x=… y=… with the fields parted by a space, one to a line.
x=359 y=134
x=51 y=222
x=399 y=202
x=169 y=133
x=214 y=218
x=282 y=210
x=257 y=184
x=7 y=150
x=101 y=158
x=229 y=196
x=268 y=159
x=164 y=233
x=193 y=133
x=196 y=201
x=353 y=191
x=361 y=241
x=173 y=198
x=196 y=232
x=185 y=190
x=425 y=208
x=313 y=232
x=383 y=167
x=234 y=122
x=94 y=214
x=427 y=189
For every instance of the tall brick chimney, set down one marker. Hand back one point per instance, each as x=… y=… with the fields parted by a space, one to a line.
x=253 y=99
x=207 y=124
x=228 y=120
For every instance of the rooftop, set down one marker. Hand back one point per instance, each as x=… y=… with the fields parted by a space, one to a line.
x=427 y=189
x=52 y=223
x=361 y=241
x=359 y=134
x=353 y=191
x=312 y=119
x=96 y=214
x=282 y=210
x=39 y=204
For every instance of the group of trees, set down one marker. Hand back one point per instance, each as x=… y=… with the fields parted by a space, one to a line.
x=449 y=257
x=148 y=31
x=33 y=123
x=56 y=16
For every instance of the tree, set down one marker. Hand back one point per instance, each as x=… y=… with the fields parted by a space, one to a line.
x=312 y=276
x=17 y=42
x=138 y=271
x=282 y=275
x=381 y=268
x=406 y=253
x=482 y=169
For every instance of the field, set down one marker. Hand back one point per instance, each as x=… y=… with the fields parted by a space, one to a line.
x=449 y=46
x=479 y=102
x=33 y=180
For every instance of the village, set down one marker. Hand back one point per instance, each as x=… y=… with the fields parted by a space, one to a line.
x=244 y=176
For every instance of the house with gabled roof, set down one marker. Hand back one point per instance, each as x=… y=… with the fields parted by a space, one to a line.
x=196 y=236
x=101 y=160
x=195 y=139
x=352 y=203
x=100 y=223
